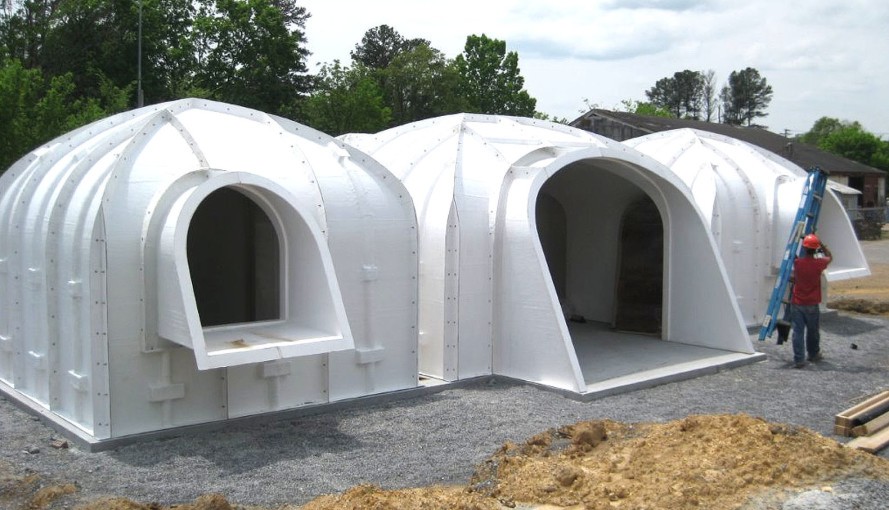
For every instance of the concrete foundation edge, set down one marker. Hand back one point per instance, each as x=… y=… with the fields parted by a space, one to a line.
x=90 y=444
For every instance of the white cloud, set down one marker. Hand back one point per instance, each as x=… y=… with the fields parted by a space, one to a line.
x=821 y=56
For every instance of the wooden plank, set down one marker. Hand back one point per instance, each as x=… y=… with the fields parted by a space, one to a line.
x=871 y=413
x=845 y=417
x=872 y=426
x=848 y=417
x=871 y=444
x=842 y=431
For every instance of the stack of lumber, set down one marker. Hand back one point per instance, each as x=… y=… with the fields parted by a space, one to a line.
x=867 y=422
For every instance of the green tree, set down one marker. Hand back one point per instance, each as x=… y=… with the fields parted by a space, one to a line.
x=35 y=109
x=551 y=118
x=644 y=108
x=97 y=41
x=663 y=95
x=491 y=81
x=20 y=89
x=421 y=83
x=822 y=128
x=848 y=139
x=853 y=142
x=682 y=94
x=380 y=45
x=252 y=53
x=708 y=95
x=169 y=56
x=346 y=100
x=23 y=29
x=745 y=97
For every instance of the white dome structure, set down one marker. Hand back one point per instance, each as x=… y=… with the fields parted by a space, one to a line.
x=555 y=256
x=194 y=261
x=749 y=198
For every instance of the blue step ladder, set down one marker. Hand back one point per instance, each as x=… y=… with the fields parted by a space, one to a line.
x=803 y=225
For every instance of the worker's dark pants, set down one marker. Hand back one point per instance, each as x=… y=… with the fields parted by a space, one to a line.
x=805 y=319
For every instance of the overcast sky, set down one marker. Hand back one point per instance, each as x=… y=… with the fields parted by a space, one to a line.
x=821 y=57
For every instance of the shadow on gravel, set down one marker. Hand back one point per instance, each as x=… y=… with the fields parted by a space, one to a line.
x=826 y=366
x=847 y=325
x=247 y=447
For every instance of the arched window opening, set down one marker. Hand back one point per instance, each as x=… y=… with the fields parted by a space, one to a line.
x=234 y=260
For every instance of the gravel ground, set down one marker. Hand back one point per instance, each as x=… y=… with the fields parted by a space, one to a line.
x=439 y=438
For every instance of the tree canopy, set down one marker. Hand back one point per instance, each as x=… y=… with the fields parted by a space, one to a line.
x=421 y=83
x=745 y=97
x=79 y=61
x=850 y=140
x=417 y=81
x=824 y=127
x=491 y=80
x=380 y=45
x=252 y=53
x=347 y=100
x=644 y=108
x=682 y=94
x=36 y=109
x=692 y=95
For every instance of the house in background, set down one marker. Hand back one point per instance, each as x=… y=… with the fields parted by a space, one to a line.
x=860 y=187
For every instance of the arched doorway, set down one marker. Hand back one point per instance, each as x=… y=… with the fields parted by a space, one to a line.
x=234 y=260
x=640 y=279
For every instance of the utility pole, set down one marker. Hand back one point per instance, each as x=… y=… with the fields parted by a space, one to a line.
x=140 y=100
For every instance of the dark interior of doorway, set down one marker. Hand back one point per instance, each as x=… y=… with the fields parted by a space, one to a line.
x=552 y=227
x=233 y=258
x=858 y=183
x=639 y=290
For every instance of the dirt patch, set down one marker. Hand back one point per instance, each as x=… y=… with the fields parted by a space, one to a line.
x=698 y=462
x=29 y=491
x=869 y=295
x=721 y=461
x=205 y=502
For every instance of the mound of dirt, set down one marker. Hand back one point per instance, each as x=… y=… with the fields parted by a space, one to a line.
x=721 y=461
x=29 y=491
x=697 y=462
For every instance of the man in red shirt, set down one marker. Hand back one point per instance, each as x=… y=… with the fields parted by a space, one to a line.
x=804 y=304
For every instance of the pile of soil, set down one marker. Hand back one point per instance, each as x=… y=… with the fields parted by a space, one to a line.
x=698 y=462
x=703 y=461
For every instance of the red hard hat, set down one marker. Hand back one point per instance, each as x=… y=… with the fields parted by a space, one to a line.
x=811 y=241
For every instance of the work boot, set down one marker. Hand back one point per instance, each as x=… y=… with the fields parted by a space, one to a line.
x=816 y=357
x=799 y=364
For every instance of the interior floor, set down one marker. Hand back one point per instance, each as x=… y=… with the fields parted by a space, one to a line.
x=614 y=361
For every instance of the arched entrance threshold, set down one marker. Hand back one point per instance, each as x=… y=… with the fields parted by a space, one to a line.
x=233 y=258
x=640 y=279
